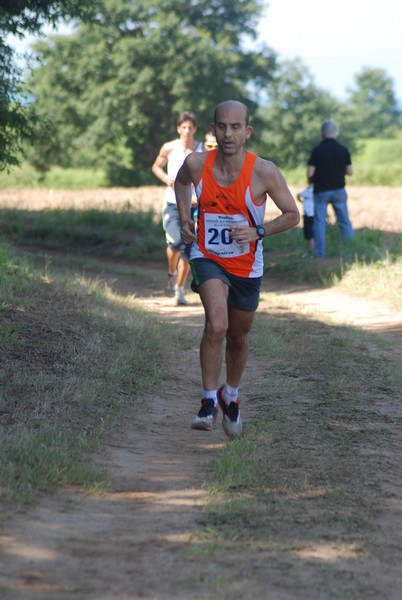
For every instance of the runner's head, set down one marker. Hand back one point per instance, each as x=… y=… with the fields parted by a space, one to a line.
x=186 y=126
x=232 y=103
x=210 y=141
x=231 y=126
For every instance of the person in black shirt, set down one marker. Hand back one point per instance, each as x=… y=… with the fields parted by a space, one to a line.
x=328 y=164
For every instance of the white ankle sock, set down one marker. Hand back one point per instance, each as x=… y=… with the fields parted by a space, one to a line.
x=230 y=393
x=211 y=395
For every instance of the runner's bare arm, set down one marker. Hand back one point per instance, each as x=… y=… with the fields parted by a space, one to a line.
x=189 y=173
x=158 y=168
x=277 y=189
x=267 y=179
x=183 y=191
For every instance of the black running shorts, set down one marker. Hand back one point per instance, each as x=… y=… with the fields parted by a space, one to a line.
x=244 y=292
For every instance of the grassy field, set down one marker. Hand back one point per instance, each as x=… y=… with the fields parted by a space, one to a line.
x=377 y=163
x=73 y=322
x=78 y=357
x=125 y=222
x=69 y=349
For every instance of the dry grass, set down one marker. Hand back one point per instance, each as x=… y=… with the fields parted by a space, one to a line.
x=370 y=207
x=303 y=506
x=74 y=359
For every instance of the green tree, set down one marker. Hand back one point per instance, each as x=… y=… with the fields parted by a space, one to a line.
x=18 y=17
x=373 y=108
x=293 y=115
x=112 y=90
x=15 y=125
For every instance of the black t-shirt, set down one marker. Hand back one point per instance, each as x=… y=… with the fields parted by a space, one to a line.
x=330 y=159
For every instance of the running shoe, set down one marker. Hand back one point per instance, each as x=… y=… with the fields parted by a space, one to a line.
x=231 y=421
x=206 y=417
x=170 y=285
x=181 y=300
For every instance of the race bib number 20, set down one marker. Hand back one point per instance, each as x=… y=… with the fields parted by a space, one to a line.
x=217 y=238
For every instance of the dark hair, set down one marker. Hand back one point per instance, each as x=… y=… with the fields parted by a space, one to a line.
x=233 y=102
x=186 y=115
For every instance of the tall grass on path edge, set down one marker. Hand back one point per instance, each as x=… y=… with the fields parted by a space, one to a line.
x=74 y=362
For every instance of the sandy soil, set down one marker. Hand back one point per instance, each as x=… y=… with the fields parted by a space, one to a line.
x=135 y=541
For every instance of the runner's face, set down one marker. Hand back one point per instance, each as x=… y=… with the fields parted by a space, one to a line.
x=231 y=131
x=210 y=142
x=186 y=131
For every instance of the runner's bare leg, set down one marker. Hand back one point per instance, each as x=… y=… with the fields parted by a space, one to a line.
x=240 y=323
x=213 y=295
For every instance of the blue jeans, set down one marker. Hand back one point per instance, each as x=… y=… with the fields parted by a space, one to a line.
x=338 y=200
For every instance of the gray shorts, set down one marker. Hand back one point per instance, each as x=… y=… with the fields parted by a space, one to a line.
x=244 y=292
x=171 y=226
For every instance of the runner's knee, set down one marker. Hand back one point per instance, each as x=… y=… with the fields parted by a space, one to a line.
x=216 y=329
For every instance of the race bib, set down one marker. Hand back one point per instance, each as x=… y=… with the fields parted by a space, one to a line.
x=217 y=238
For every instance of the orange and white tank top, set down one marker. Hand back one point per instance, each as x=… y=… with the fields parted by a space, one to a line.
x=220 y=208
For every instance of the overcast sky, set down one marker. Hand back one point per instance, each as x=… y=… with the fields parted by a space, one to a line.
x=336 y=39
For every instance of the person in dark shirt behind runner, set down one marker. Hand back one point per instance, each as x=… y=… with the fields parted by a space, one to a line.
x=226 y=256
x=327 y=166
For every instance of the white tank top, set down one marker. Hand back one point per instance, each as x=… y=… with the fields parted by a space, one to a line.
x=176 y=159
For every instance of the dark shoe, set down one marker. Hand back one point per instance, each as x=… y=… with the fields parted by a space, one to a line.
x=206 y=417
x=231 y=421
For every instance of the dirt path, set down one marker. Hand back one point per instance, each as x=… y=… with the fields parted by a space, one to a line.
x=340 y=307
x=133 y=542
